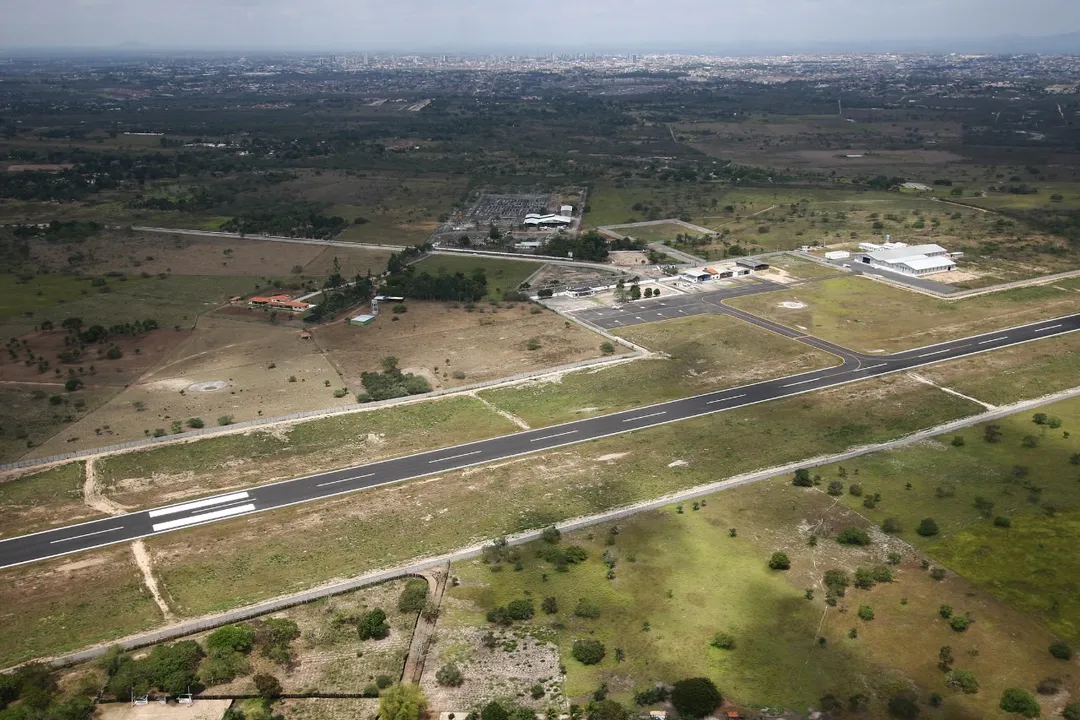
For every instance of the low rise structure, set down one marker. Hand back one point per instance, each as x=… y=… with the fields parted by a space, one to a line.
x=914 y=260
x=280 y=302
x=536 y=220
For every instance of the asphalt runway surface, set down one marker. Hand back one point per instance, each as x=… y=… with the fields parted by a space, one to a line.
x=853 y=367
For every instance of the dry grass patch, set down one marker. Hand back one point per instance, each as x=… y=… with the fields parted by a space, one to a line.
x=38 y=501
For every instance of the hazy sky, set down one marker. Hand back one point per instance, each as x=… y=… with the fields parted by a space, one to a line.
x=461 y=24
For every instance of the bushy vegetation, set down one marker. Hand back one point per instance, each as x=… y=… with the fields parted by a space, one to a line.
x=390 y=383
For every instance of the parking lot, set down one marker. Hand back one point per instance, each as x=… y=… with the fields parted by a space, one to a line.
x=668 y=307
x=508 y=208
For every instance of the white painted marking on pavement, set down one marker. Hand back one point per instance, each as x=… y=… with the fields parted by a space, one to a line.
x=455 y=457
x=220 y=500
x=935 y=353
x=335 y=482
x=196 y=519
x=549 y=437
x=76 y=537
x=802 y=382
x=642 y=417
x=733 y=397
x=1052 y=327
x=997 y=339
x=872 y=367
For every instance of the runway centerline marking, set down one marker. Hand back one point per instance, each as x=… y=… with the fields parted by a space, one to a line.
x=642 y=417
x=1003 y=337
x=733 y=397
x=220 y=500
x=86 y=535
x=1052 y=327
x=872 y=367
x=938 y=352
x=549 y=437
x=335 y=482
x=455 y=457
x=802 y=382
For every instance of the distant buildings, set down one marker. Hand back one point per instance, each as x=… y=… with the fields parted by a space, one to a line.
x=723 y=270
x=537 y=220
x=908 y=260
x=280 y=302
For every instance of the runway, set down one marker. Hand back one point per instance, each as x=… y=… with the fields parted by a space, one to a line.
x=852 y=368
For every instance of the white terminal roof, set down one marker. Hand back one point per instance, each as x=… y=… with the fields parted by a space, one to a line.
x=904 y=254
x=922 y=262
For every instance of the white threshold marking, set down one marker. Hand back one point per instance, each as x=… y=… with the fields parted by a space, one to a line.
x=642 y=417
x=802 y=382
x=938 y=352
x=637 y=318
x=1052 y=327
x=997 y=339
x=455 y=457
x=733 y=397
x=220 y=500
x=549 y=437
x=196 y=519
x=84 y=535
x=872 y=367
x=335 y=482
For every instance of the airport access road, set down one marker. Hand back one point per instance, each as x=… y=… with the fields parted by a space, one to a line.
x=122 y=528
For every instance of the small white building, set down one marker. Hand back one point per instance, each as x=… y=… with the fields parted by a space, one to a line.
x=914 y=260
x=837 y=255
x=567 y=210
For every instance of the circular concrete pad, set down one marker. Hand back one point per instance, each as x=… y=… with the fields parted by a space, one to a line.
x=793 y=305
x=209 y=386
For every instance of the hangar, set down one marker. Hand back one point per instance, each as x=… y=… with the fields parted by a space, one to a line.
x=913 y=260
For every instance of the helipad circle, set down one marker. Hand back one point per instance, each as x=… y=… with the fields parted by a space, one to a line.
x=208 y=386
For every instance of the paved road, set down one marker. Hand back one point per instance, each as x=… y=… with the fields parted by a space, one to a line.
x=854 y=367
x=671 y=306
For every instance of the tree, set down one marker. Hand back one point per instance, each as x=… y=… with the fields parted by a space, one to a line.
x=992 y=433
x=1021 y=702
x=231 y=638
x=373 y=625
x=268 y=686
x=404 y=701
x=1061 y=650
x=802 y=478
x=588 y=651
x=520 y=609
x=449 y=676
x=927 y=527
x=963 y=680
x=635 y=292
x=695 y=697
x=903 y=706
x=1071 y=711
x=866 y=613
x=550 y=605
x=606 y=710
x=779 y=561
x=960 y=623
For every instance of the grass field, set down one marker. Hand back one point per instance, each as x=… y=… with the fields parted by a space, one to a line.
x=28 y=420
x=502 y=275
x=801 y=268
x=68 y=603
x=167 y=473
x=688 y=579
x=37 y=501
x=700 y=353
x=1031 y=564
x=224 y=564
x=654 y=233
x=861 y=314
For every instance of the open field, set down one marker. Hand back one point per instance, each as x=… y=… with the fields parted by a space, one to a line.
x=453 y=346
x=28 y=418
x=680 y=578
x=38 y=501
x=699 y=354
x=862 y=314
x=1031 y=564
x=69 y=603
x=160 y=475
x=653 y=233
x=252 y=365
x=353 y=261
x=239 y=561
x=801 y=268
x=502 y=275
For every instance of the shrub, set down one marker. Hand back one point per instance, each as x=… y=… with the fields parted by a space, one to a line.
x=1002 y=522
x=1029 y=441
x=945 y=611
x=938 y=573
x=695 y=697
x=551 y=534
x=398 y=309
x=588 y=651
x=855 y=490
x=1048 y=686
x=225 y=420
x=658 y=694
x=927 y=527
x=449 y=676
x=723 y=641
x=373 y=625
x=267 y=686
x=1021 y=702
x=960 y=623
x=866 y=613
x=779 y=561
x=1061 y=651
x=114 y=353
x=958 y=441
x=195 y=422
x=550 y=605
x=891 y=526
x=520 y=609
x=1071 y=711
x=587 y=609
x=533 y=344
x=962 y=680
x=903 y=706
x=882 y=574
x=231 y=638
x=607 y=348
x=404 y=701
x=853 y=536
x=413 y=596
x=836 y=488
x=802 y=478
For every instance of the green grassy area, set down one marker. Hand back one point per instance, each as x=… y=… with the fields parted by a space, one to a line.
x=68 y=603
x=688 y=579
x=38 y=501
x=502 y=275
x=228 y=563
x=701 y=353
x=1031 y=564
x=802 y=268
x=862 y=314
x=172 y=300
x=654 y=233
x=139 y=478
x=28 y=420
